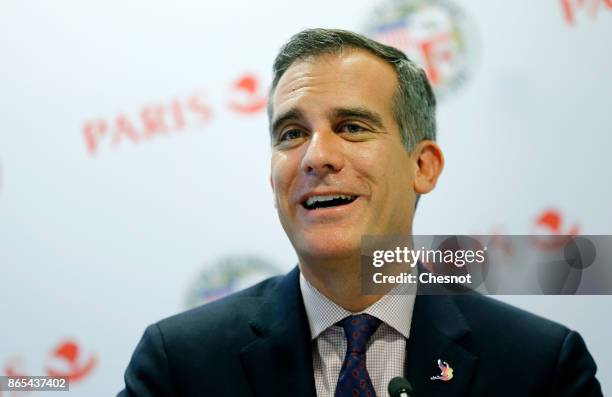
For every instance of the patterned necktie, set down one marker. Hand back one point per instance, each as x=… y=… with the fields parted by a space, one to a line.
x=354 y=380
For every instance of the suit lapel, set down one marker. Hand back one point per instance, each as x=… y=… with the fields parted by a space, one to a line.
x=279 y=361
x=437 y=327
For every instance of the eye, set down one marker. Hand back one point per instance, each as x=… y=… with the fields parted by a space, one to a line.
x=352 y=128
x=290 y=135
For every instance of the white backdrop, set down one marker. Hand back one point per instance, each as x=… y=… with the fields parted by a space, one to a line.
x=134 y=158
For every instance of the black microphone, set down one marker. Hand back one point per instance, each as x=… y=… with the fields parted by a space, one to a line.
x=399 y=387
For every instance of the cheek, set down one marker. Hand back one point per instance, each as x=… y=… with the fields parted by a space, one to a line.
x=394 y=175
x=384 y=168
x=281 y=175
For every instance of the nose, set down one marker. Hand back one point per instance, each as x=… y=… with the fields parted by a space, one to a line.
x=323 y=154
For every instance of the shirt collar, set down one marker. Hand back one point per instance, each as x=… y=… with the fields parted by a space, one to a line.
x=394 y=309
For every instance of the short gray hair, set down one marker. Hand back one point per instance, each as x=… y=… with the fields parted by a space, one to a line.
x=414 y=104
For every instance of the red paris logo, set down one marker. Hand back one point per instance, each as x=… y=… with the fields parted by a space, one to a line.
x=66 y=359
x=571 y=8
x=151 y=121
x=549 y=232
x=247 y=97
x=169 y=118
x=13 y=367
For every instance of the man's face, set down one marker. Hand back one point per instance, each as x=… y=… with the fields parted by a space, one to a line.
x=339 y=169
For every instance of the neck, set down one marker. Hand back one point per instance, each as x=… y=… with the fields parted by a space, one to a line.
x=342 y=288
x=340 y=278
x=340 y=281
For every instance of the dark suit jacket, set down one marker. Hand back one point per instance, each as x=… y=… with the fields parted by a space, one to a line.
x=257 y=343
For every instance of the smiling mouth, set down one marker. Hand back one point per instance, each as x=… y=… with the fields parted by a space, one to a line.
x=318 y=202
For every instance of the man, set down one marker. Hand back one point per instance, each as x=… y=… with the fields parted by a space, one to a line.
x=352 y=129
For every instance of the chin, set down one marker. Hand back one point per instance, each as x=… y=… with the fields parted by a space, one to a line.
x=328 y=247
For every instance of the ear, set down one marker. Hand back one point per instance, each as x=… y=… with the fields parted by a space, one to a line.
x=429 y=164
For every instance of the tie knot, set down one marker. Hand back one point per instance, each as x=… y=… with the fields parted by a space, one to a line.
x=358 y=330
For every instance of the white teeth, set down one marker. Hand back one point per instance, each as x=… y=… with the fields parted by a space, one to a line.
x=316 y=199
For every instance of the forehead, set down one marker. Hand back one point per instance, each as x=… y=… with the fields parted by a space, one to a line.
x=352 y=78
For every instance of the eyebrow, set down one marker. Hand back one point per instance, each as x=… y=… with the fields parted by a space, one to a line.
x=292 y=114
x=361 y=113
x=357 y=112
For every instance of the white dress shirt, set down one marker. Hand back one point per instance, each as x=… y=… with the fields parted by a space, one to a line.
x=386 y=349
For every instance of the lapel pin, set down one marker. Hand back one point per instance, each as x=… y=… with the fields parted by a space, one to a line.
x=447 y=372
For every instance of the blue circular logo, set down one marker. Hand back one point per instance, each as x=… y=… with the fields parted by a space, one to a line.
x=435 y=34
